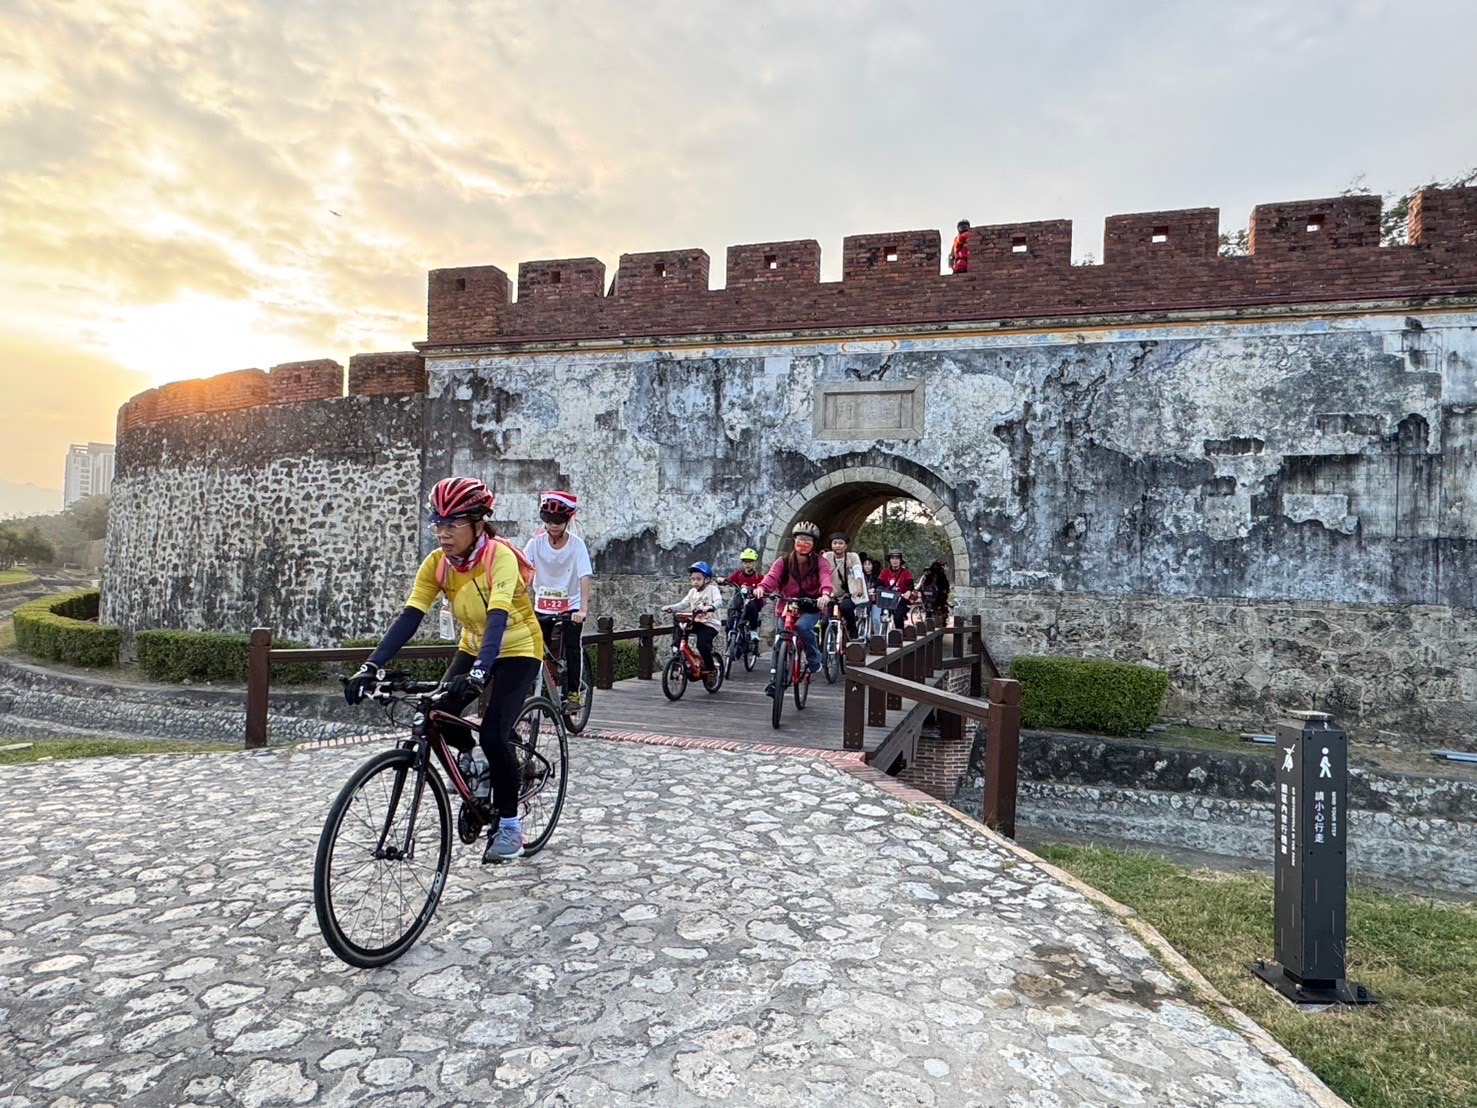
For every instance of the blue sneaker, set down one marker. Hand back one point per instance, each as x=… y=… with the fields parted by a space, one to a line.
x=506 y=843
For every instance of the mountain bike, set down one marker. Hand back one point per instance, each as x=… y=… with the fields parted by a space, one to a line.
x=788 y=668
x=743 y=643
x=385 y=849
x=555 y=678
x=687 y=662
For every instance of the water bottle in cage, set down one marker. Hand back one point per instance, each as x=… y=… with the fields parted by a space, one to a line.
x=476 y=772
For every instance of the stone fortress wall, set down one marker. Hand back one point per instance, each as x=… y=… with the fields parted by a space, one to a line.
x=1255 y=471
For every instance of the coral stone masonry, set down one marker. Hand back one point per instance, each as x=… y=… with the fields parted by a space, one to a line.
x=1257 y=472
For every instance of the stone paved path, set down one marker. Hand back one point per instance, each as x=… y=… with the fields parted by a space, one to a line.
x=705 y=928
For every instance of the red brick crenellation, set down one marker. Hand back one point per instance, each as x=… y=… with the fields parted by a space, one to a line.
x=400 y=373
x=1303 y=252
x=383 y=374
x=295 y=382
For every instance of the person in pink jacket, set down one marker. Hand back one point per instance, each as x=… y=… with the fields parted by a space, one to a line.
x=798 y=576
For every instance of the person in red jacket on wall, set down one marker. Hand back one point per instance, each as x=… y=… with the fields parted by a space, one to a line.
x=747 y=576
x=897 y=576
x=959 y=252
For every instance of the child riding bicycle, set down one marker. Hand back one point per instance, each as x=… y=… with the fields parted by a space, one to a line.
x=703 y=600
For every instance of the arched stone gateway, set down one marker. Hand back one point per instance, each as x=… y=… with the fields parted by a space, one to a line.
x=844 y=498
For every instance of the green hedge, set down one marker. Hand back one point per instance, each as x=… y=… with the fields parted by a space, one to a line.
x=1088 y=694
x=64 y=628
x=212 y=656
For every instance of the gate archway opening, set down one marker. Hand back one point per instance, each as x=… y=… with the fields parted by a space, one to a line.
x=846 y=500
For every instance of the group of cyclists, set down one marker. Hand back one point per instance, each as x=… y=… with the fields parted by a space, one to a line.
x=507 y=600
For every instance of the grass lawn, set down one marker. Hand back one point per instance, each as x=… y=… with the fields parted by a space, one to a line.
x=15 y=576
x=41 y=749
x=1417 y=1048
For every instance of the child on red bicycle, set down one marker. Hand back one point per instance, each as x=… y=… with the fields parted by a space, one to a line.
x=703 y=600
x=747 y=576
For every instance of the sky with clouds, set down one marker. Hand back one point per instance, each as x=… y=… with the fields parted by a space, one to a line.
x=188 y=187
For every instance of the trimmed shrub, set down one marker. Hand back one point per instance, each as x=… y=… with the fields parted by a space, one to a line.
x=64 y=628
x=1088 y=694
x=213 y=656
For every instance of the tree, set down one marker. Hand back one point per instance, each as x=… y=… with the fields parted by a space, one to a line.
x=90 y=515
x=904 y=525
x=29 y=545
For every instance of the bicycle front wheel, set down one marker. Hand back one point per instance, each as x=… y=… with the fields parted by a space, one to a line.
x=541 y=745
x=751 y=652
x=830 y=652
x=374 y=887
x=781 y=673
x=674 y=677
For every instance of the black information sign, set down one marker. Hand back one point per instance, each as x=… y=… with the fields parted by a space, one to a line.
x=1311 y=866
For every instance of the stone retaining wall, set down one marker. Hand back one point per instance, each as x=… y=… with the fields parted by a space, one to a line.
x=1408 y=827
x=38 y=701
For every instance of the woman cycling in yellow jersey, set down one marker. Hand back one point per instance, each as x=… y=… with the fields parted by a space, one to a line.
x=486 y=579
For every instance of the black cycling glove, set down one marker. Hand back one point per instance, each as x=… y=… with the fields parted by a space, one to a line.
x=467 y=686
x=356 y=688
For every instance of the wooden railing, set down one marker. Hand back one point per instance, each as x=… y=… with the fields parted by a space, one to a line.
x=263 y=656
x=879 y=676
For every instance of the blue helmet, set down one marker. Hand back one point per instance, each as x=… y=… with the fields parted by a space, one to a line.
x=701 y=567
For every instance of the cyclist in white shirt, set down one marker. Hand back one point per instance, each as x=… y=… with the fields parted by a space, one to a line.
x=561 y=579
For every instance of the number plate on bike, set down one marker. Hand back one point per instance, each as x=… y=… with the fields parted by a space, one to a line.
x=887 y=598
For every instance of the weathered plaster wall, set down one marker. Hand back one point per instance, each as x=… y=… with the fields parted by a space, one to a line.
x=1319 y=459
x=1252 y=506
x=302 y=517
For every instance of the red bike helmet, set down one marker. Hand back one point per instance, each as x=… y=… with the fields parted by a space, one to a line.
x=560 y=505
x=460 y=498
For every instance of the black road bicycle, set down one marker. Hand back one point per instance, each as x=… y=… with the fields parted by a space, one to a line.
x=743 y=644
x=385 y=850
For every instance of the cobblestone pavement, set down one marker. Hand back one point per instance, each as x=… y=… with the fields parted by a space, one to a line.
x=705 y=927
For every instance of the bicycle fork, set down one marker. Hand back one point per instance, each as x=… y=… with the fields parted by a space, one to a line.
x=384 y=852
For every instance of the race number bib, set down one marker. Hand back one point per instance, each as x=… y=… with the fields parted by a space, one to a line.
x=551 y=602
x=445 y=624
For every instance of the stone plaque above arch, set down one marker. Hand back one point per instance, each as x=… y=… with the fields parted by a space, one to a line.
x=852 y=411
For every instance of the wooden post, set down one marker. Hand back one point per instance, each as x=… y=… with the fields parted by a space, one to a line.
x=605 y=655
x=912 y=663
x=958 y=625
x=258 y=679
x=645 y=649
x=853 y=727
x=894 y=667
x=876 y=698
x=977 y=648
x=1002 y=755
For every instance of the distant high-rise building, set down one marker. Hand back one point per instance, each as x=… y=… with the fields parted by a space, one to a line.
x=89 y=472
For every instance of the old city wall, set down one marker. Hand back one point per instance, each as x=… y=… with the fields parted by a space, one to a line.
x=1253 y=471
x=300 y=512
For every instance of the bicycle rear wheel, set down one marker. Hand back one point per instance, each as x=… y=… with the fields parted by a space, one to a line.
x=830 y=652
x=541 y=744
x=780 y=678
x=374 y=892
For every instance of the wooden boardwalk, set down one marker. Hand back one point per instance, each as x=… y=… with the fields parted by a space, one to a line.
x=739 y=712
